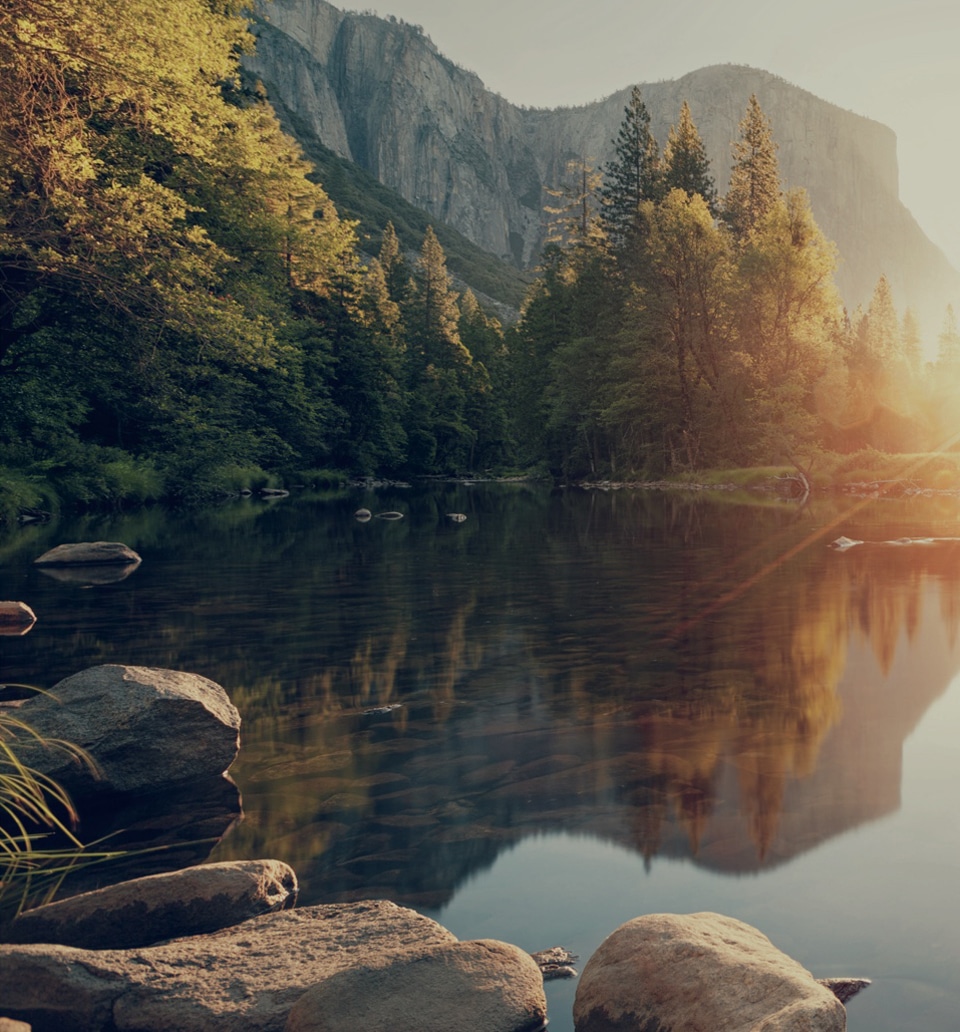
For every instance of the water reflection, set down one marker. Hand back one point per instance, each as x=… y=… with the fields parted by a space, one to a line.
x=680 y=677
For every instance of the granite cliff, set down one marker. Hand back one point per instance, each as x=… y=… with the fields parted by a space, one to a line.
x=379 y=93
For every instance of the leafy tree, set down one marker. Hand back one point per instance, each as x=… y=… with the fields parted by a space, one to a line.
x=688 y=315
x=685 y=163
x=634 y=175
x=755 y=177
x=788 y=320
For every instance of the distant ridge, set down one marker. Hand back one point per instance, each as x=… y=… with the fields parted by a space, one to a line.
x=379 y=93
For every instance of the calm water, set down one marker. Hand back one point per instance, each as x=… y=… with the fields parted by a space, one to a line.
x=570 y=709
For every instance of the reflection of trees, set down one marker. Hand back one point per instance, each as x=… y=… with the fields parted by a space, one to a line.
x=418 y=694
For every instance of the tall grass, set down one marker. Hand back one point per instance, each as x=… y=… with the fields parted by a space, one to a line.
x=34 y=809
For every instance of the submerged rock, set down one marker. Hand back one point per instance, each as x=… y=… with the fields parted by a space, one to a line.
x=148 y=910
x=672 y=971
x=143 y=727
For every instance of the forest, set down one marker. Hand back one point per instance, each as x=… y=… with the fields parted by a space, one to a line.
x=184 y=312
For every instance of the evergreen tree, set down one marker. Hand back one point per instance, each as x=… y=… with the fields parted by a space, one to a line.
x=395 y=271
x=439 y=368
x=948 y=355
x=883 y=343
x=685 y=163
x=755 y=178
x=634 y=176
x=574 y=218
x=910 y=341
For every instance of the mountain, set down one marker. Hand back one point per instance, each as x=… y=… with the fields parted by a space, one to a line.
x=377 y=91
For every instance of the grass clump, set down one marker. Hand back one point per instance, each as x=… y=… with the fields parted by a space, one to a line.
x=34 y=809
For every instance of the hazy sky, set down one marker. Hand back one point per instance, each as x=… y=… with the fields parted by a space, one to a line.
x=892 y=60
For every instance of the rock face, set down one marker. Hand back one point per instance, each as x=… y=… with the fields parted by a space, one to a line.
x=379 y=93
x=145 y=728
x=148 y=910
x=83 y=553
x=479 y=986
x=242 y=979
x=699 y=971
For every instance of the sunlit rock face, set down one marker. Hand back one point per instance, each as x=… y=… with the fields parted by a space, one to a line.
x=379 y=93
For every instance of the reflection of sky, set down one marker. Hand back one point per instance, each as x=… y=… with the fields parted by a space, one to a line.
x=875 y=902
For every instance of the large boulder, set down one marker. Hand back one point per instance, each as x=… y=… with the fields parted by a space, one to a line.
x=242 y=979
x=148 y=910
x=479 y=986
x=703 y=971
x=88 y=553
x=144 y=728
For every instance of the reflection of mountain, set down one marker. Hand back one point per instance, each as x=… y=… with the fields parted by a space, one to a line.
x=760 y=746
x=858 y=773
x=419 y=695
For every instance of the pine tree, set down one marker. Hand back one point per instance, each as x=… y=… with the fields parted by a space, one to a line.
x=685 y=163
x=948 y=357
x=755 y=178
x=634 y=176
x=910 y=340
x=883 y=342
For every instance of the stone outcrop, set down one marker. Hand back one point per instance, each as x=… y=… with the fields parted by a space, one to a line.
x=148 y=910
x=88 y=553
x=670 y=971
x=479 y=986
x=241 y=979
x=377 y=92
x=144 y=728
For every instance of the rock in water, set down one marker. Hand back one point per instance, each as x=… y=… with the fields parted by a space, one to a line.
x=699 y=971
x=145 y=728
x=88 y=553
x=16 y=618
x=148 y=910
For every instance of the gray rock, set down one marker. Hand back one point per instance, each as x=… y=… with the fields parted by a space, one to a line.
x=144 y=728
x=151 y=909
x=478 y=986
x=380 y=94
x=88 y=553
x=241 y=979
x=703 y=971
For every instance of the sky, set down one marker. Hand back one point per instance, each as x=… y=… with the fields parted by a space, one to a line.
x=895 y=61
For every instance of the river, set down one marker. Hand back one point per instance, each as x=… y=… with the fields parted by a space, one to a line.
x=571 y=708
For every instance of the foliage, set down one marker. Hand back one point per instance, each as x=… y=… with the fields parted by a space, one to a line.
x=33 y=808
x=755 y=178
